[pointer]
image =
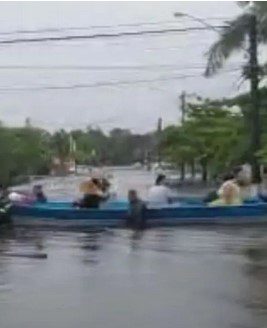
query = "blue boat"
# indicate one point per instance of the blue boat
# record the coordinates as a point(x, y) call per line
point(187, 211)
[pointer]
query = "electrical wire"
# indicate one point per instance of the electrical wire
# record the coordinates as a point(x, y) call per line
point(106, 35)
point(106, 83)
point(86, 28)
point(107, 67)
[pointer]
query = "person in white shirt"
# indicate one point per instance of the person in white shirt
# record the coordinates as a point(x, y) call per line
point(159, 193)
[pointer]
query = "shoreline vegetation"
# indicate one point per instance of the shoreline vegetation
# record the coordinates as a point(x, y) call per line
point(212, 139)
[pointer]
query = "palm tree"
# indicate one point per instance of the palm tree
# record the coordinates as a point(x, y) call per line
point(234, 35)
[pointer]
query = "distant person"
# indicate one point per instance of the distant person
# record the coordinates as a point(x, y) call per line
point(159, 193)
point(39, 194)
point(136, 214)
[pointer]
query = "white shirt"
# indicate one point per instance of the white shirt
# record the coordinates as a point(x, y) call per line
point(159, 194)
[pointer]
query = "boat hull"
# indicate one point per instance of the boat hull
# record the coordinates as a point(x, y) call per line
point(116, 215)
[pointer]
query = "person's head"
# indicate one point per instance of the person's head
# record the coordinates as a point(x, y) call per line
point(228, 176)
point(160, 179)
point(37, 189)
point(105, 184)
point(96, 174)
point(96, 182)
point(132, 196)
point(237, 170)
point(242, 176)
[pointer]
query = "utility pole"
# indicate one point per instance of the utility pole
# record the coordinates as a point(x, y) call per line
point(159, 130)
point(183, 106)
point(254, 93)
point(183, 112)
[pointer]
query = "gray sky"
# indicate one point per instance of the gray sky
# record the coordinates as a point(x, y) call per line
point(134, 106)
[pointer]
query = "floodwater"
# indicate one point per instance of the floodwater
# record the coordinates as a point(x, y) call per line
point(175, 277)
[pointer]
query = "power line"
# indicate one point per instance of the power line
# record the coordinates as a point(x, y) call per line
point(86, 28)
point(105, 67)
point(107, 84)
point(99, 84)
point(106, 35)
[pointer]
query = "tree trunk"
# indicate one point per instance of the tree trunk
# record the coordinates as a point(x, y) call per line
point(204, 171)
point(255, 108)
point(182, 171)
point(193, 170)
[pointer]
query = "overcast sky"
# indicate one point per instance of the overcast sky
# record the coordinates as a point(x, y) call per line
point(134, 106)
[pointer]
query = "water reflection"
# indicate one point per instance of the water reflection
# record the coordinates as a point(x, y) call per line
point(178, 273)
point(257, 272)
point(90, 242)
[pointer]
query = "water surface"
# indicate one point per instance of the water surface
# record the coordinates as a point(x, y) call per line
point(178, 277)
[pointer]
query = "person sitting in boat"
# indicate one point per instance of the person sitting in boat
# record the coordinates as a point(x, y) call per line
point(98, 175)
point(105, 184)
point(229, 194)
point(214, 194)
point(249, 191)
point(136, 217)
point(92, 194)
point(159, 193)
point(236, 177)
point(27, 197)
point(21, 197)
point(242, 178)
point(39, 194)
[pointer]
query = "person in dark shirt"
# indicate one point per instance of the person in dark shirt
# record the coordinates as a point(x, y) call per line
point(136, 214)
point(39, 194)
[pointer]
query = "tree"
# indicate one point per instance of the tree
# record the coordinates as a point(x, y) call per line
point(211, 136)
point(60, 145)
point(178, 146)
point(8, 145)
point(234, 36)
point(23, 151)
point(252, 26)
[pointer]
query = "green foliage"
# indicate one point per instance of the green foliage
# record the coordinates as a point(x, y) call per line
point(23, 151)
point(60, 145)
point(212, 136)
point(29, 150)
point(233, 36)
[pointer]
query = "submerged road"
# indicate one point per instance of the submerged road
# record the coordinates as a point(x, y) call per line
point(179, 277)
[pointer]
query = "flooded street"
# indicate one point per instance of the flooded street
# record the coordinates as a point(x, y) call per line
point(178, 277)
